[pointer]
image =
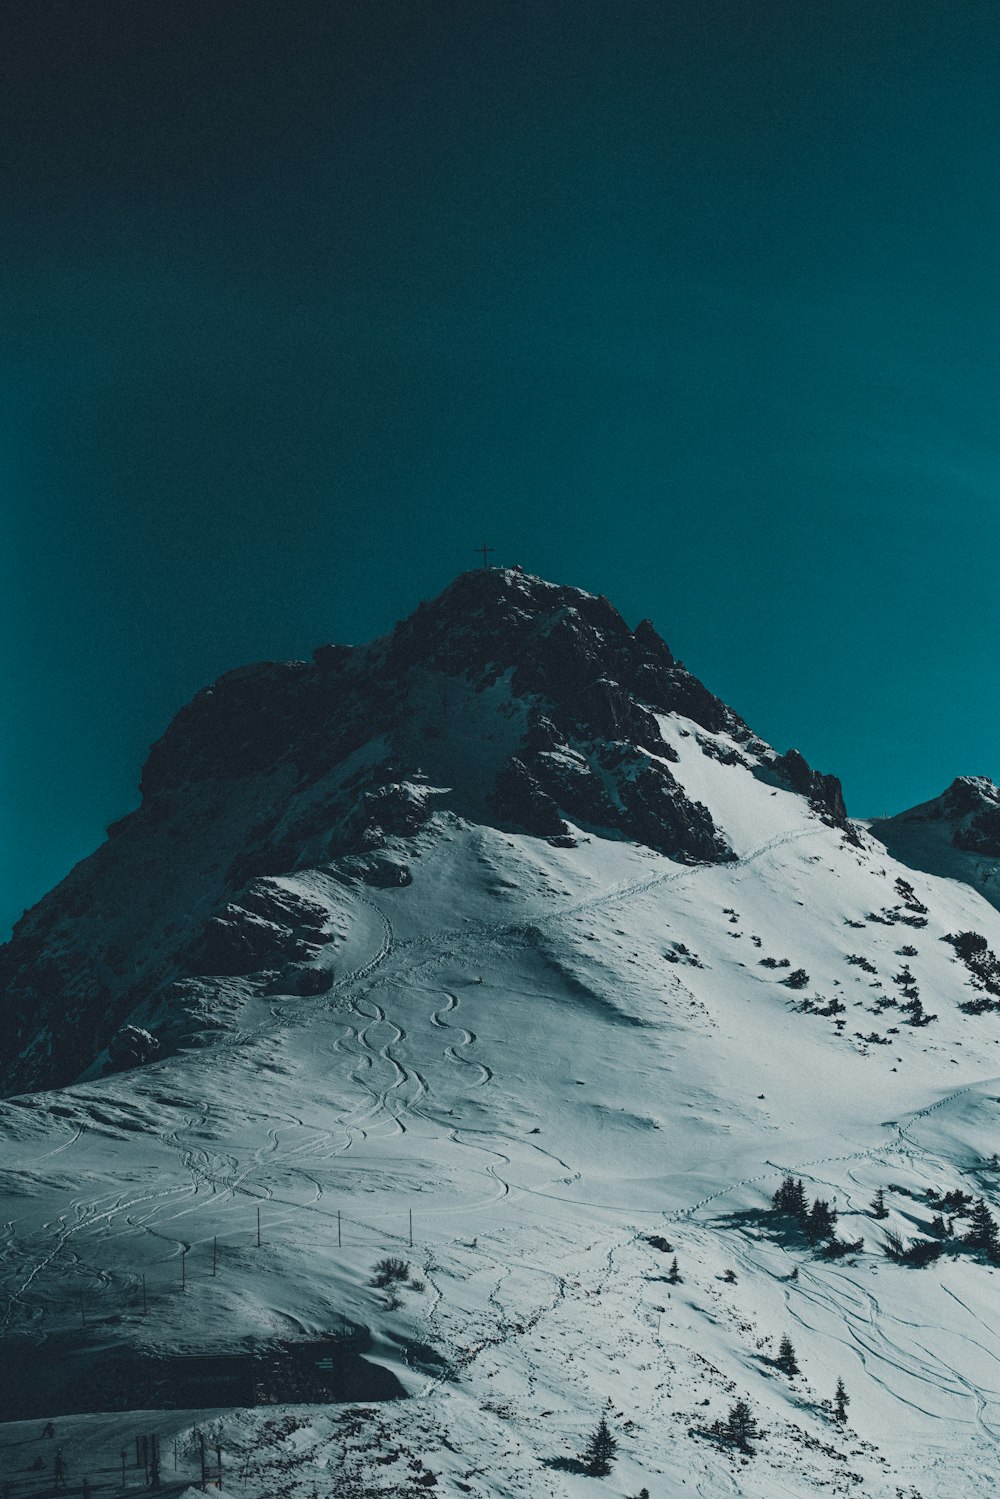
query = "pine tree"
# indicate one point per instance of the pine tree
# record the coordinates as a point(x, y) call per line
point(791, 1198)
point(674, 1277)
point(983, 1232)
point(879, 1209)
point(786, 1360)
point(600, 1451)
point(841, 1401)
point(740, 1426)
point(821, 1221)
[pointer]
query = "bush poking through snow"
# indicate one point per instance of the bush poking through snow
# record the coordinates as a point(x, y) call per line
point(835, 1249)
point(390, 1271)
point(919, 1253)
point(797, 979)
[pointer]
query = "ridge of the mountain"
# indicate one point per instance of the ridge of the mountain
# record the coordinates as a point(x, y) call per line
point(399, 1080)
point(956, 834)
point(506, 701)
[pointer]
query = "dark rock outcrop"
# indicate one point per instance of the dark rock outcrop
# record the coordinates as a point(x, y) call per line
point(981, 835)
point(659, 812)
point(131, 1047)
point(239, 942)
point(824, 792)
point(518, 799)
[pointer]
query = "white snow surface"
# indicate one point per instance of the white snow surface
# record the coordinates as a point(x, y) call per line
point(545, 1055)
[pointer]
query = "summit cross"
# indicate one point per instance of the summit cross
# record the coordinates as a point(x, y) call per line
point(485, 550)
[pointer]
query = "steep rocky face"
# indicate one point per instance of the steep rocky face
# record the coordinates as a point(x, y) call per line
point(823, 792)
point(506, 700)
point(569, 647)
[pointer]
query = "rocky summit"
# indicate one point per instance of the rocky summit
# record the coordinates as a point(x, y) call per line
point(507, 700)
point(483, 1066)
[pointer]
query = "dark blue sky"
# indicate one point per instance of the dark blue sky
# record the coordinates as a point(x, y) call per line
point(688, 302)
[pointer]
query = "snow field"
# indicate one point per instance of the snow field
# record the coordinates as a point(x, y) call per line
point(516, 988)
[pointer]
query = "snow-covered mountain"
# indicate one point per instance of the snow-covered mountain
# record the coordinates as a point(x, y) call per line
point(956, 835)
point(508, 702)
point(503, 935)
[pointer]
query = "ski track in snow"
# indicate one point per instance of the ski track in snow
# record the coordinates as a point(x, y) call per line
point(381, 1098)
point(468, 1039)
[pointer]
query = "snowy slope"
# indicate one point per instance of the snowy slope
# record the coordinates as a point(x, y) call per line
point(549, 1053)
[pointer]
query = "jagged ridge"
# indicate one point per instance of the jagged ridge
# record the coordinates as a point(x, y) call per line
point(506, 700)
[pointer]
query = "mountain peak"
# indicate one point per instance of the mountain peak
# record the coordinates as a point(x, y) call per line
point(507, 701)
point(956, 834)
point(503, 611)
point(965, 797)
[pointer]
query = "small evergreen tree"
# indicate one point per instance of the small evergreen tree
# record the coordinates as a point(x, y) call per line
point(786, 1360)
point(841, 1401)
point(600, 1451)
point(983, 1232)
point(821, 1221)
point(674, 1277)
point(791, 1198)
point(879, 1209)
point(740, 1426)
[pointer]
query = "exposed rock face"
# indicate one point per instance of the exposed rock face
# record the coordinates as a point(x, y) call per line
point(571, 648)
point(239, 942)
point(823, 791)
point(982, 833)
point(269, 926)
point(506, 699)
point(972, 803)
point(966, 794)
point(519, 799)
point(131, 1047)
point(663, 816)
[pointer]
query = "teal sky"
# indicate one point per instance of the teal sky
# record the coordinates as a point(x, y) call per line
point(690, 303)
